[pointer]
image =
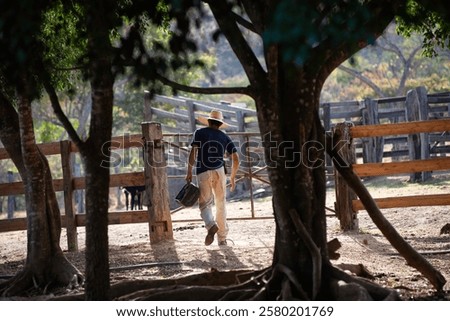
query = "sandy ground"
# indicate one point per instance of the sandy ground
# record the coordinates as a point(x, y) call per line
point(250, 242)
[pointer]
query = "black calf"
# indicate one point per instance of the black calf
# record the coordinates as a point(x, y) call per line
point(134, 191)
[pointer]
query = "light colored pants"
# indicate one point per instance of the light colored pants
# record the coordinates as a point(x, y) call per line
point(212, 184)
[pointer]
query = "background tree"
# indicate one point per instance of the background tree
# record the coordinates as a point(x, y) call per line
point(45, 263)
point(389, 67)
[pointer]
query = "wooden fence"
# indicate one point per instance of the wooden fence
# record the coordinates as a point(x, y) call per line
point(178, 118)
point(69, 183)
point(178, 115)
point(347, 205)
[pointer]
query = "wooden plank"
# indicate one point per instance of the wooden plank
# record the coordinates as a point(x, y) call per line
point(344, 194)
point(15, 188)
point(405, 167)
point(345, 115)
point(440, 98)
point(414, 140)
point(129, 217)
point(123, 179)
point(118, 142)
point(225, 108)
point(147, 106)
point(344, 104)
point(407, 201)
point(167, 114)
point(391, 114)
point(46, 149)
point(67, 164)
point(389, 100)
point(3, 154)
point(114, 218)
point(396, 140)
point(441, 138)
point(156, 184)
point(50, 148)
point(127, 179)
point(429, 126)
point(127, 141)
point(424, 137)
point(174, 101)
point(191, 116)
point(385, 169)
point(438, 109)
point(13, 224)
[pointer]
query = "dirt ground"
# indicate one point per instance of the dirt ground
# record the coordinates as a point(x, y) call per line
point(250, 242)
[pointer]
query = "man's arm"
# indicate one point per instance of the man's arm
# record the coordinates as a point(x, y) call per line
point(191, 162)
point(234, 169)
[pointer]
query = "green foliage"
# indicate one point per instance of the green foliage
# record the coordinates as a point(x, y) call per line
point(300, 26)
point(430, 18)
point(20, 23)
point(63, 37)
point(48, 132)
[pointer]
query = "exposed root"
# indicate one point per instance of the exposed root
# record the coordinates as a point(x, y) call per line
point(31, 281)
point(19, 284)
point(274, 283)
point(375, 291)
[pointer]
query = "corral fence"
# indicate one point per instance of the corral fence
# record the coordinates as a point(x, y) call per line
point(165, 149)
point(419, 168)
point(178, 115)
point(177, 118)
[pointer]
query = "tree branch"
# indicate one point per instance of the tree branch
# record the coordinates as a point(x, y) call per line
point(227, 23)
point(365, 80)
point(244, 22)
point(60, 113)
point(383, 13)
point(209, 91)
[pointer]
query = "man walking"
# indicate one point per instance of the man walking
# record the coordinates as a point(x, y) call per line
point(208, 147)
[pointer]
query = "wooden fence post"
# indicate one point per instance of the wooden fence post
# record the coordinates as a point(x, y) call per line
point(412, 114)
point(191, 114)
point(344, 194)
point(373, 146)
point(418, 144)
point(156, 185)
point(71, 226)
point(11, 198)
point(424, 137)
point(326, 118)
point(147, 106)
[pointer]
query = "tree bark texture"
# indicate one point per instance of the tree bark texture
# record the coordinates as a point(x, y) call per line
point(293, 142)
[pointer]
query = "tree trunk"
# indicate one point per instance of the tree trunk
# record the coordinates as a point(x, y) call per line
point(95, 153)
point(45, 264)
point(293, 141)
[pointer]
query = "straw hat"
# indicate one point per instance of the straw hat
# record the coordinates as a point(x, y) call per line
point(213, 115)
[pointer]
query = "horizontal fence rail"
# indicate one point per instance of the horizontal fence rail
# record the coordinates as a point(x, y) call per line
point(348, 205)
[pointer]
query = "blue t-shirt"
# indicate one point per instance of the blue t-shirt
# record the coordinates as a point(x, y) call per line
point(212, 144)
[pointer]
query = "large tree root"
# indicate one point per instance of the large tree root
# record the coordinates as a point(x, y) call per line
point(243, 285)
point(19, 284)
point(59, 272)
